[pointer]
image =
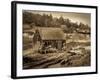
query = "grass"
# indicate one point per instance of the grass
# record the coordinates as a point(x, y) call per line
point(65, 59)
point(35, 60)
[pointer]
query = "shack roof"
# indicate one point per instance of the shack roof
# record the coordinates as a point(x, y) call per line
point(51, 33)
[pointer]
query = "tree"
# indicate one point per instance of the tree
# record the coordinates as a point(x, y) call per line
point(68, 23)
point(61, 20)
point(27, 18)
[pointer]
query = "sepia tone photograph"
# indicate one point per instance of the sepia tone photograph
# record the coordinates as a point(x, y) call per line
point(53, 40)
point(56, 39)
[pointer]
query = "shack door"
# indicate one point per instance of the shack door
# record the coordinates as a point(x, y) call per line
point(59, 45)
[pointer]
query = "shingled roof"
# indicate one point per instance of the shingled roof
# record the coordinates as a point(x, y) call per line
point(51, 34)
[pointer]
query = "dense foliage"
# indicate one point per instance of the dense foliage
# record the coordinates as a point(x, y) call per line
point(46, 20)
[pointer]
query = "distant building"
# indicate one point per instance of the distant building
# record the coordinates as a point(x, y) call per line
point(84, 30)
point(26, 26)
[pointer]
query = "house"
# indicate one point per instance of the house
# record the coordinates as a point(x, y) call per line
point(84, 30)
point(49, 37)
point(26, 26)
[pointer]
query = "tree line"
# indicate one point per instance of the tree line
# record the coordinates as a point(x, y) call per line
point(46, 20)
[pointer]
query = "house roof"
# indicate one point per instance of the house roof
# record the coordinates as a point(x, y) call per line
point(51, 33)
point(26, 26)
point(29, 31)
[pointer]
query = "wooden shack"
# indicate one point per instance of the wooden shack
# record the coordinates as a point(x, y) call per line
point(49, 37)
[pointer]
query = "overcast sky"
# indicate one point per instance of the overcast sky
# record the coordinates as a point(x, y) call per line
point(74, 17)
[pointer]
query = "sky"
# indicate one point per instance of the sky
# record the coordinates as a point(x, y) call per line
point(74, 17)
